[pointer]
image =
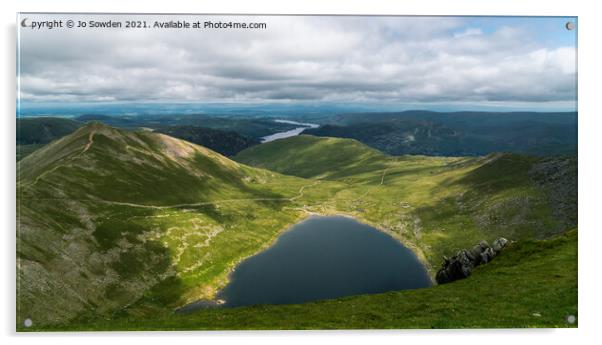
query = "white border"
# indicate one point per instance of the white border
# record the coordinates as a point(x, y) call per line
point(589, 163)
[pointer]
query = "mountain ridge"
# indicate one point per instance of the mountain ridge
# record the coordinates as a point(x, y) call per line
point(130, 210)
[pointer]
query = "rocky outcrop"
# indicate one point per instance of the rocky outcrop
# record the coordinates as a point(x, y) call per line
point(461, 265)
point(557, 176)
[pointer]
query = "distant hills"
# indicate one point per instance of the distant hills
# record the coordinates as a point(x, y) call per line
point(42, 130)
point(410, 132)
point(33, 133)
point(458, 133)
point(250, 127)
point(225, 142)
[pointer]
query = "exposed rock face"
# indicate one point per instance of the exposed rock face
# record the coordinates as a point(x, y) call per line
point(460, 266)
point(499, 244)
point(558, 178)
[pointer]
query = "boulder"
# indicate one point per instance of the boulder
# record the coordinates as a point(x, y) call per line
point(457, 267)
point(443, 277)
point(487, 255)
point(499, 244)
point(477, 252)
point(460, 266)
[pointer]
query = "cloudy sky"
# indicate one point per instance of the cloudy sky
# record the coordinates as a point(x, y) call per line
point(505, 62)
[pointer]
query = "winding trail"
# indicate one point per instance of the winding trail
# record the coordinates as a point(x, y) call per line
point(382, 181)
point(302, 189)
point(90, 142)
point(293, 198)
point(163, 207)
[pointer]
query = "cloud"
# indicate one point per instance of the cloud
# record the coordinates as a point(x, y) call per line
point(321, 59)
point(468, 32)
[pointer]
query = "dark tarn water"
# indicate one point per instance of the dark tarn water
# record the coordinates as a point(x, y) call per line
point(321, 258)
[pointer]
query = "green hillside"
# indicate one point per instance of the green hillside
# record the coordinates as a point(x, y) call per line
point(105, 215)
point(130, 224)
point(313, 157)
point(25, 150)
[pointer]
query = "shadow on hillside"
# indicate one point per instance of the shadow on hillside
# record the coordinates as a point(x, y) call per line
point(494, 172)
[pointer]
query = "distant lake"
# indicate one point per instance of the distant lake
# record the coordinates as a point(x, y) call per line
point(290, 133)
point(322, 258)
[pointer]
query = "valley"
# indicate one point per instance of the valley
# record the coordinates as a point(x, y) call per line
point(156, 222)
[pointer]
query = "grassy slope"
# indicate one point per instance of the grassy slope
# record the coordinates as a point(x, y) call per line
point(531, 284)
point(313, 157)
point(146, 259)
point(129, 211)
point(25, 150)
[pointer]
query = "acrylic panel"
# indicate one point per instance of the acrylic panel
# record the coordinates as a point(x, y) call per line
point(241, 172)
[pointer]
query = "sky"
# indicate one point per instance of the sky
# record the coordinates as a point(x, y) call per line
point(415, 62)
